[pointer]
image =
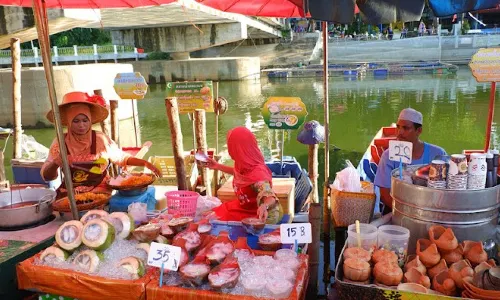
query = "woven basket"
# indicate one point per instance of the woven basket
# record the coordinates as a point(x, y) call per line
point(62, 205)
point(347, 207)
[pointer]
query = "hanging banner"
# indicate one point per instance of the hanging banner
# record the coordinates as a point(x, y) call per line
point(284, 112)
point(192, 95)
point(130, 86)
point(485, 65)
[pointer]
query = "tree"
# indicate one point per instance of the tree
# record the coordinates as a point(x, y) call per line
point(77, 36)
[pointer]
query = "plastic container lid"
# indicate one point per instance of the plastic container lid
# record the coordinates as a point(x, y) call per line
point(393, 232)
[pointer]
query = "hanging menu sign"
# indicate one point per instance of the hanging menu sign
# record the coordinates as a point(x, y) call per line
point(130, 85)
point(284, 112)
point(192, 95)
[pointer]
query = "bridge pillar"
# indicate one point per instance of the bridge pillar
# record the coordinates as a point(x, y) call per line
point(181, 38)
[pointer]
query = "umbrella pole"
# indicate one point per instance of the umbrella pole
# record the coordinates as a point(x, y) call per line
point(490, 116)
point(40, 13)
point(326, 190)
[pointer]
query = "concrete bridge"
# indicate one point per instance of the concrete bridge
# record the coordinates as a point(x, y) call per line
point(177, 28)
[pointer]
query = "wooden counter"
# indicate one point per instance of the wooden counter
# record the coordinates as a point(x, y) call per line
point(283, 187)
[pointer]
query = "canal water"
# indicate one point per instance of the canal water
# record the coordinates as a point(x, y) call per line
point(454, 107)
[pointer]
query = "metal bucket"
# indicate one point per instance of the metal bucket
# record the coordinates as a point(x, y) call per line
point(472, 214)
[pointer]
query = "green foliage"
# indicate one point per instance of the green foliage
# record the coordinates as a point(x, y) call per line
point(158, 56)
point(465, 26)
point(76, 36)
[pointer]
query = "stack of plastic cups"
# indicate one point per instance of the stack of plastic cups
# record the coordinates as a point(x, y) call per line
point(457, 172)
point(437, 175)
point(477, 170)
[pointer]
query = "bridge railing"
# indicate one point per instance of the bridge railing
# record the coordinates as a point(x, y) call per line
point(75, 54)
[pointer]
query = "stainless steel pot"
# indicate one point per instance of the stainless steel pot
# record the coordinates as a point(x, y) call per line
point(25, 207)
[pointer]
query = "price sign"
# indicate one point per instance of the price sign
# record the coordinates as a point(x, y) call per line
point(485, 65)
point(400, 151)
point(164, 254)
point(300, 232)
point(284, 112)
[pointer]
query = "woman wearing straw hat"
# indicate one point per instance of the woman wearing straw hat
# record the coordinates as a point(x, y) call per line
point(89, 152)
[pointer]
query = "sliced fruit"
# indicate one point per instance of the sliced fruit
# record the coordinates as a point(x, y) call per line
point(88, 260)
point(123, 223)
point(133, 265)
point(147, 233)
point(161, 239)
point(195, 273)
point(143, 247)
point(69, 235)
point(179, 224)
point(98, 234)
point(93, 214)
point(52, 253)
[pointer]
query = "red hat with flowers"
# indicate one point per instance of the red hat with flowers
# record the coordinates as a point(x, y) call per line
point(98, 109)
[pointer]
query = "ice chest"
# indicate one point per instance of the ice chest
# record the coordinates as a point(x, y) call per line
point(28, 172)
point(166, 165)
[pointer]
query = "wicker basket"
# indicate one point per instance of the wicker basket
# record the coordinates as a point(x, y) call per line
point(347, 207)
point(62, 205)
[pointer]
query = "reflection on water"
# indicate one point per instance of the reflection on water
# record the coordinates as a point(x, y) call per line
point(454, 108)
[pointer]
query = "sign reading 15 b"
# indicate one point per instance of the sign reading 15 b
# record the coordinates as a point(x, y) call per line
point(400, 151)
point(300, 232)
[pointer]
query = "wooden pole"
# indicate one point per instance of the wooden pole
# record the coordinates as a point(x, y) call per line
point(176, 133)
point(115, 123)
point(313, 171)
point(136, 124)
point(15, 45)
point(216, 108)
point(200, 130)
point(105, 125)
point(313, 252)
point(491, 112)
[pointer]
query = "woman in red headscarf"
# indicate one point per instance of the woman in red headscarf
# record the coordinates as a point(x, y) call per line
point(252, 181)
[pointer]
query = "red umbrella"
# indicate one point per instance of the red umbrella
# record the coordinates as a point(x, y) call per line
point(96, 4)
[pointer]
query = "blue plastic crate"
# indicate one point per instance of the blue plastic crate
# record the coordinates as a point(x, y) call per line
point(26, 172)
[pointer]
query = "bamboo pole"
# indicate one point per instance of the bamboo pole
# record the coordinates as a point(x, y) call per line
point(313, 171)
point(178, 150)
point(42, 27)
point(491, 112)
point(137, 130)
point(216, 108)
point(326, 189)
point(200, 130)
point(115, 123)
point(15, 45)
point(105, 125)
point(313, 252)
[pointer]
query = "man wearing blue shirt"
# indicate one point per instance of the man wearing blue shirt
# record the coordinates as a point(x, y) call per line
point(409, 129)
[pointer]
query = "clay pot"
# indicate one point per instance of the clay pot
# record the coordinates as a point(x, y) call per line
point(428, 252)
point(412, 287)
point(474, 252)
point(356, 269)
point(414, 276)
point(459, 270)
point(485, 265)
point(444, 284)
point(414, 262)
point(440, 267)
point(357, 252)
point(455, 255)
point(444, 238)
point(381, 255)
point(388, 273)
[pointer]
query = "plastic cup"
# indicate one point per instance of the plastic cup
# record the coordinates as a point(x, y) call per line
point(394, 238)
point(368, 236)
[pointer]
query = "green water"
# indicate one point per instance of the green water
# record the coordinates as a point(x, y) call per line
point(454, 108)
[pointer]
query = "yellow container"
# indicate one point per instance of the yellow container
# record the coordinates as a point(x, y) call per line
point(166, 165)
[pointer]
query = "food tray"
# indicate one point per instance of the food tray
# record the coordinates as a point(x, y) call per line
point(155, 292)
point(358, 291)
point(133, 187)
point(62, 205)
point(45, 279)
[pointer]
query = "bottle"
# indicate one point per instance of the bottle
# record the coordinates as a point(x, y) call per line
point(495, 166)
point(489, 167)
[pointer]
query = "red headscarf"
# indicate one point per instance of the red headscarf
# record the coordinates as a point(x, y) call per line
point(249, 165)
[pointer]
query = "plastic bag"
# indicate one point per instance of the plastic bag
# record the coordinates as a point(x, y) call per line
point(32, 150)
point(205, 204)
point(348, 179)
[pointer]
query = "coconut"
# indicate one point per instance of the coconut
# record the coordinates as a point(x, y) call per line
point(98, 234)
point(52, 253)
point(195, 273)
point(143, 247)
point(133, 265)
point(147, 233)
point(69, 235)
point(88, 260)
point(161, 239)
point(123, 223)
point(179, 224)
point(93, 214)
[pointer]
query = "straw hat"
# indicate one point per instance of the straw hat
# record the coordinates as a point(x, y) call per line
point(97, 104)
